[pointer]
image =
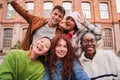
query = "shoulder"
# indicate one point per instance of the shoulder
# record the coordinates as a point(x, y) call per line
point(107, 54)
point(16, 53)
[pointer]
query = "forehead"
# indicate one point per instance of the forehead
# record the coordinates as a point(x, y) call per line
point(61, 41)
point(58, 12)
point(45, 40)
point(88, 36)
point(69, 18)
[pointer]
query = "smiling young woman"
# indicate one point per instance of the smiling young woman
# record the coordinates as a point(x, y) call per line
point(98, 64)
point(26, 65)
point(62, 63)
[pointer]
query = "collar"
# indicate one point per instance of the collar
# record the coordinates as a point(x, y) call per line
point(58, 64)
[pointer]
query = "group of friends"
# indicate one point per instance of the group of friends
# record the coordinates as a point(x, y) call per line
point(52, 52)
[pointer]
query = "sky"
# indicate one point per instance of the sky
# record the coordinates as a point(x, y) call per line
point(118, 5)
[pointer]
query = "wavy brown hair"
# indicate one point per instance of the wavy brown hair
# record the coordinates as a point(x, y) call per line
point(67, 61)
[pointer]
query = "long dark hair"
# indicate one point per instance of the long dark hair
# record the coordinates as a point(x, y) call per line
point(67, 61)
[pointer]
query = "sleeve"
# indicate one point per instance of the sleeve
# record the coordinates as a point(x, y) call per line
point(94, 28)
point(46, 76)
point(24, 13)
point(116, 62)
point(7, 67)
point(78, 72)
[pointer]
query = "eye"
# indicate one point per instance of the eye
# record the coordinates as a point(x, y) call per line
point(58, 45)
point(85, 41)
point(60, 16)
point(55, 13)
point(41, 41)
point(65, 46)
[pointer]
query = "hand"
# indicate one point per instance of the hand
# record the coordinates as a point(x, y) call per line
point(81, 18)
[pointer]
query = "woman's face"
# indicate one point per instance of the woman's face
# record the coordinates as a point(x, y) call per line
point(61, 48)
point(88, 43)
point(70, 23)
point(41, 46)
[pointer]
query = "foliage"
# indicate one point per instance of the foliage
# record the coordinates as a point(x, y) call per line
point(17, 45)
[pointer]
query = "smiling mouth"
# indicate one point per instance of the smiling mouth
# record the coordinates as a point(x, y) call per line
point(39, 48)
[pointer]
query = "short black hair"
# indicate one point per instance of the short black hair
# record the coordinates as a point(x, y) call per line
point(87, 31)
point(60, 8)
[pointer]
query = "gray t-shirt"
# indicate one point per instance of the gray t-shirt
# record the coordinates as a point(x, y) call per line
point(44, 31)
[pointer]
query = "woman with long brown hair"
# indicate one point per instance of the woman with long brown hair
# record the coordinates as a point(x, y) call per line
point(62, 63)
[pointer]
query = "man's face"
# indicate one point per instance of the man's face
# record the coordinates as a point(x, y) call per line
point(56, 17)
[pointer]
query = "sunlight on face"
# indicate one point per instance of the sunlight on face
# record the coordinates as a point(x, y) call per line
point(41, 46)
point(61, 48)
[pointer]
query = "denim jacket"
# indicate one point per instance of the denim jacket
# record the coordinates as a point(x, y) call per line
point(78, 73)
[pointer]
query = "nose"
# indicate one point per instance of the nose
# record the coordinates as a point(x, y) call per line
point(42, 45)
point(62, 48)
point(56, 16)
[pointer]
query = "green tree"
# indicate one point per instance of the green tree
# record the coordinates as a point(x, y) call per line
point(17, 45)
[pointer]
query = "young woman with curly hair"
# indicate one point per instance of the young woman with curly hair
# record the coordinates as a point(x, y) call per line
point(62, 63)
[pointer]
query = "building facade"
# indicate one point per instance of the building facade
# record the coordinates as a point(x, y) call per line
point(99, 12)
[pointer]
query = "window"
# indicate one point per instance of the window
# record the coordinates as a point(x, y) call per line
point(104, 11)
point(107, 39)
point(47, 9)
point(7, 38)
point(29, 6)
point(10, 12)
point(86, 9)
point(68, 7)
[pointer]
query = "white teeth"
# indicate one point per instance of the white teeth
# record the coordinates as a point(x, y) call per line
point(39, 48)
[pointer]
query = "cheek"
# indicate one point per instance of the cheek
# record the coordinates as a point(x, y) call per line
point(56, 49)
point(66, 50)
point(59, 19)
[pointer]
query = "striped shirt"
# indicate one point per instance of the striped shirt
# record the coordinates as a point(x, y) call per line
point(44, 31)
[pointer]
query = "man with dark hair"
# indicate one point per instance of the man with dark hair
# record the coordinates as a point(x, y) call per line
point(38, 26)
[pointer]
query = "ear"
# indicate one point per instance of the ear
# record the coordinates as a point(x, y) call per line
point(31, 46)
point(51, 12)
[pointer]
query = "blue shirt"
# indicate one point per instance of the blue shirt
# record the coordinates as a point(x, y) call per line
point(78, 73)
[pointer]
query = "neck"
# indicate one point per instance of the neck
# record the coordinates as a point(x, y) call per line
point(51, 25)
point(89, 56)
point(71, 32)
point(58, 60)
point(32, 56)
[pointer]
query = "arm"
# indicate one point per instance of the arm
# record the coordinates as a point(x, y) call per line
point(78, 72)
point(46, 76)
point(7, 67)
point(94, 28)
point(24, 13)
point(116, 62)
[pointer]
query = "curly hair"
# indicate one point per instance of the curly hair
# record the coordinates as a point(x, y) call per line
point(68, 60)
